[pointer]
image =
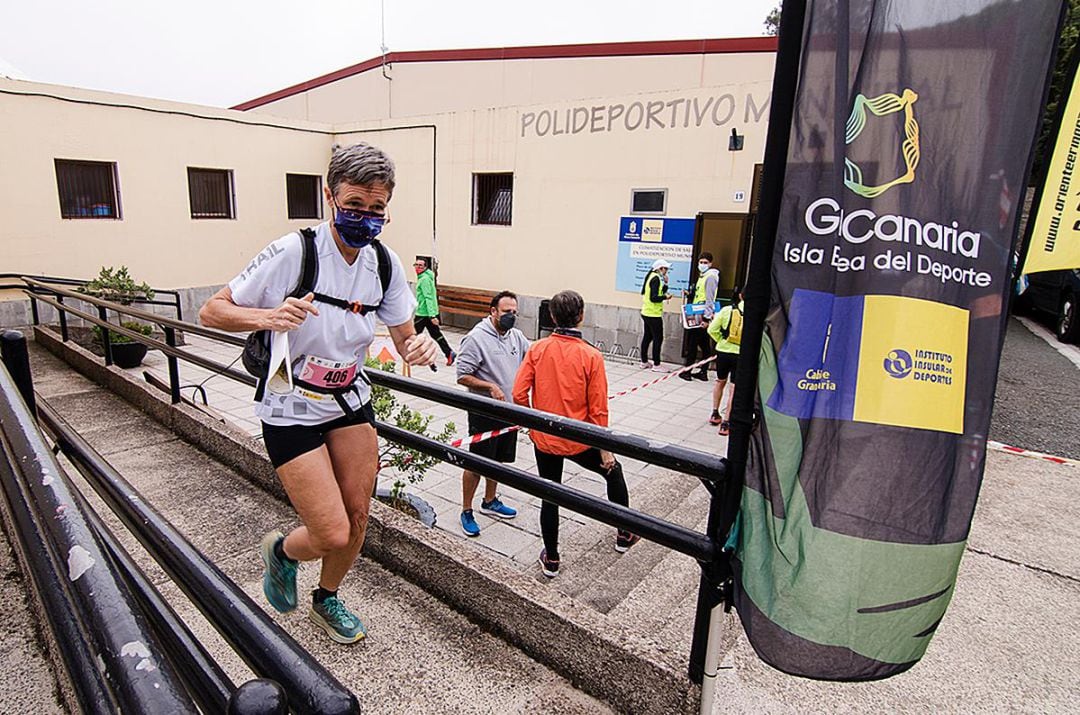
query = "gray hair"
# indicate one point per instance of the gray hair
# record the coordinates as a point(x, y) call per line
point(360, 164)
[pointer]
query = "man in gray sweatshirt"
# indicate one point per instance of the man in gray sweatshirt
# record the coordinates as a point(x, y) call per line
point(487, 363)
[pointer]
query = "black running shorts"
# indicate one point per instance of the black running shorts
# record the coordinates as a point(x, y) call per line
point(502, 448)
point(725, 365)
point(286, 443)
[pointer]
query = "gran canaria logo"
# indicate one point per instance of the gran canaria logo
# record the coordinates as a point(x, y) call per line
point(881, 106)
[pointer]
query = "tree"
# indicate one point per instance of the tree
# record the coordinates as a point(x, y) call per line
point(1059, 86)
point(772, 21)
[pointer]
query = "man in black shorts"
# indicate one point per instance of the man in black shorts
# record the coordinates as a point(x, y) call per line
point(487, 363)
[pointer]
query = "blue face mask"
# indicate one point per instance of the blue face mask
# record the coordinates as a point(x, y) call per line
point(357, 228)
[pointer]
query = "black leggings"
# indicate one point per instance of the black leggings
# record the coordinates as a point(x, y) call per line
point(698, 338)
point(654, 333)
point(550, 466)
point(422, 323)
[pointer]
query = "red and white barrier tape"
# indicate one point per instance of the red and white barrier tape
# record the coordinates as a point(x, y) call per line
point(661, 379)
point(474, 438)
point(1020, 452)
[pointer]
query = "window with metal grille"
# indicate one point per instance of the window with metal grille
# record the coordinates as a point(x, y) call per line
point(492, 198)
point(303, 195)
point(87, 189)
point(211, 193)
point(648, 201)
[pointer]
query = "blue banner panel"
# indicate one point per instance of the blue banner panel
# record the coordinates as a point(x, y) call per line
point(642, 240)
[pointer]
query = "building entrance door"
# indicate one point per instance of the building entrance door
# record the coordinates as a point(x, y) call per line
point(727, 237)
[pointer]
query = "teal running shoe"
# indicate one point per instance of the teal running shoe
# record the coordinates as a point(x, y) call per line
point(339, 622)
point(279, 576)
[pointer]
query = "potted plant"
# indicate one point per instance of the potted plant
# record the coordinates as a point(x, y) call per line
point(117, 285)
point(410, 465)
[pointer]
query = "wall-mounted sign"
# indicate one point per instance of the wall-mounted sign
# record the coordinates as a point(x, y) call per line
point(739, 196)
point(643, 240)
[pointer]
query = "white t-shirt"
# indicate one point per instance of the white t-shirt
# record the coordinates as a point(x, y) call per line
point(334, 335)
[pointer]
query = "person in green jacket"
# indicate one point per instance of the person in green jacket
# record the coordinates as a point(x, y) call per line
point(427, 308)
point(726, 329)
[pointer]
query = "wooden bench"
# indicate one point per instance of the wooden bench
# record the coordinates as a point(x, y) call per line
point(470, 303)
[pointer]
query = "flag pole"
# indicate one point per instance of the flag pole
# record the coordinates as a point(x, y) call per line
point(725, 503)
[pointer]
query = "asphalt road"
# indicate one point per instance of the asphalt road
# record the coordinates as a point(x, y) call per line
point(1037, 405)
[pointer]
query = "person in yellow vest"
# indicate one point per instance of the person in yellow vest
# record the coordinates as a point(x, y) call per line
point(654, 291)
point(726, 329)
point(704, 292)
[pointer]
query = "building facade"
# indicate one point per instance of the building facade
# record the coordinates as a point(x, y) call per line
point(529, 169)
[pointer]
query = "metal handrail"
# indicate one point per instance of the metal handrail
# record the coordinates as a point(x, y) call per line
point(122, 309)
point(710, 469)
point(140, 678)
point(174, 303)
point(261, 643)
point(665, 533)
point(681, 459)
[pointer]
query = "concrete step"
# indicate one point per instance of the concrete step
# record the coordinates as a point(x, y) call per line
point(420, 656)
point(662, 603)
point(591, 563)
point(649, 563)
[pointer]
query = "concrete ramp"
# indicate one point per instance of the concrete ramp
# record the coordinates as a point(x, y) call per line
point(420, 656)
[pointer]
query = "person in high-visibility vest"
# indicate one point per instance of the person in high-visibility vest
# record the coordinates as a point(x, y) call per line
point(654, 291)
point(704, 292)
point(726, 330)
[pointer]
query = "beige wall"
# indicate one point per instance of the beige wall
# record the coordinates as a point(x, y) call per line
point(156, 238)
point(569, 189)
point(426, 88)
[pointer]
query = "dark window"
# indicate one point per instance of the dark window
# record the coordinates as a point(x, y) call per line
point(648, 201)
point(87, 189)
point(211, 193)
point(303, 195)
point(492, 198)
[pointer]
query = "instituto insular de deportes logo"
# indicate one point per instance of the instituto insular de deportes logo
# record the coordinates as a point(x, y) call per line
point(898, 363)
point(925, 366)
point(880, 106)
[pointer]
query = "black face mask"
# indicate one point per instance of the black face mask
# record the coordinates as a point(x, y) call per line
point(506, 321)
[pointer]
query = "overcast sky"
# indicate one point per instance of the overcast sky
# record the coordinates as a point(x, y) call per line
point(222, 52)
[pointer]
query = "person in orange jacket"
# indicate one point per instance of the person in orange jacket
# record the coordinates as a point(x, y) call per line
point(565, 376)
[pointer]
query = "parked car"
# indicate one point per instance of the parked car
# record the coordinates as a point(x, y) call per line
point(1056, 293)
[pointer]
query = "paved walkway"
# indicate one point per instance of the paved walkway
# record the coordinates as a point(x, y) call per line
point(672, 410)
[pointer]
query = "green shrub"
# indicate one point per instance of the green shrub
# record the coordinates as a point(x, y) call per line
point(117, 285)
point(410, 464)
point(116, 338)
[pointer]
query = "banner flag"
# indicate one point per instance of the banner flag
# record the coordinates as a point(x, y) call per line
point(879, 360)
point(1055, 237)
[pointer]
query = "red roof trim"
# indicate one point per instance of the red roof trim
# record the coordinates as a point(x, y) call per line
point(605, 49)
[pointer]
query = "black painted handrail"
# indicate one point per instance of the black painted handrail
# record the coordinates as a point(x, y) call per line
point(139, 677)
point(263, 645)
point(122, 309)
point(681, 459)
point(673, 536)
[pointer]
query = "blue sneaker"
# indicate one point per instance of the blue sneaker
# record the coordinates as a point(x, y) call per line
point(497, 509)
point(339, 622)
point(468, 524)
point(279, 576)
